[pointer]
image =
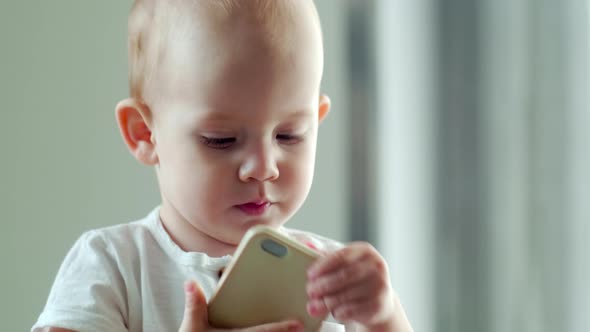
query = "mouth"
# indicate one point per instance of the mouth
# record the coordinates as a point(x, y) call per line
point(254, 208)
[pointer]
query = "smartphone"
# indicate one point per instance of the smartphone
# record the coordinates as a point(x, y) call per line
point(264, 283)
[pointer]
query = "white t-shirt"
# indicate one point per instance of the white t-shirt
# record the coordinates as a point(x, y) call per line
point(130, 277)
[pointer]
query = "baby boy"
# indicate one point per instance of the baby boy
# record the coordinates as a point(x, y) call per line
point(225, 105)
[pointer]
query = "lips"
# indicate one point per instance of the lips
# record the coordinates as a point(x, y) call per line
point(254, 208)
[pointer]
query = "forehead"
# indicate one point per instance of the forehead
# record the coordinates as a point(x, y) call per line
point(238, 66)
point(229, 84)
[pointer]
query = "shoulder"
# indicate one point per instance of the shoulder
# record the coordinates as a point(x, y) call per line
point(92, 287)
point(107, 253)
point(118, 239)
point(313, 240)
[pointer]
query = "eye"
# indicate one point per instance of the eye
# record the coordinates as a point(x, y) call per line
point(218, 142)
point(289, 139)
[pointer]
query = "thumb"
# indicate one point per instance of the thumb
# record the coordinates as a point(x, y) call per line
point(195, 308)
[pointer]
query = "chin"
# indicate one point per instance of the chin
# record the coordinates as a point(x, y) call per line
point(256, 222)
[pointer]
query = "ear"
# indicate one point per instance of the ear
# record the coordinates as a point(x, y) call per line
point(324, 107)
point(134, 119)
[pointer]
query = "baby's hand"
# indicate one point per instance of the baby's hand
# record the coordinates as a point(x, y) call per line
point(195, 315)
point(353, 284)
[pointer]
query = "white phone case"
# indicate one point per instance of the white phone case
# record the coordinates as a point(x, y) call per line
point(264, 283)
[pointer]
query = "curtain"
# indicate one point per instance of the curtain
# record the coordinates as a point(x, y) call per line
point(483, 161)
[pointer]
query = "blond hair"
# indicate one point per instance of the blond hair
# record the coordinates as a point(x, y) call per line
point(153, 22)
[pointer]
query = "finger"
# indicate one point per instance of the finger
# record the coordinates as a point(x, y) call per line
point(317, 308)
point(344, 256)
point(285, 326)
point(195, 308)
point(358, 293)
point(343, 278)
point(362, 312)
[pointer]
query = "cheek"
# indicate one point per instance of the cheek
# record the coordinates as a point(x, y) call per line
point(198, 190)
point(297, 171)
point(198, 178)
point(295, 181)
point(185, 172)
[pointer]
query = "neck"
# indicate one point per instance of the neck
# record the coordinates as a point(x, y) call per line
point(188, 237)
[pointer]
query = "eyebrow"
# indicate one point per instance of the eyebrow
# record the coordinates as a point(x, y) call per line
point(215, 116)
point(224, 116)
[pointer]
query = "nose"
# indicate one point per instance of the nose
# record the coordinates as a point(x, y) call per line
point(260, 164)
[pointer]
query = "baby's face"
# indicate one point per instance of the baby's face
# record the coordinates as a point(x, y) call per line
point(235, 126)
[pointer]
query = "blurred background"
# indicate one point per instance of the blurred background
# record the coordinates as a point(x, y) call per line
point(458, 145)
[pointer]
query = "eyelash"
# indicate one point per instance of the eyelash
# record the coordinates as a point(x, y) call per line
point(289, 139)
point(218, 143)
point(226, 142)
